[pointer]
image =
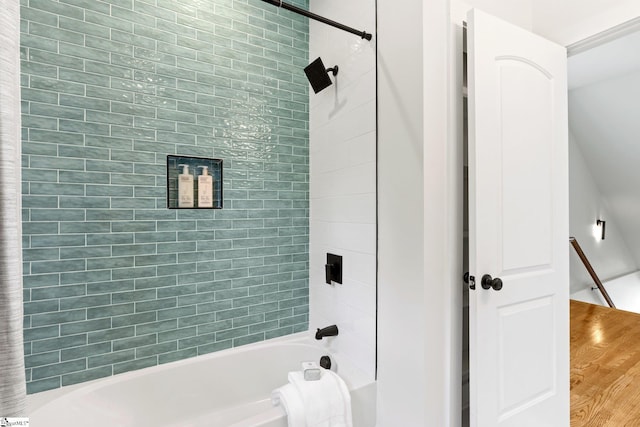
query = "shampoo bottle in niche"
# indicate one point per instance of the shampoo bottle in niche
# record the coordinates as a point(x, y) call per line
point(185, 188)
point(205, 188)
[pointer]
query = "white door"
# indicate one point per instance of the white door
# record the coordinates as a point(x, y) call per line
point(518, 227)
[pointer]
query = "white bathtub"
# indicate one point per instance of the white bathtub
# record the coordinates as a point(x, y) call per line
point(624, 292)
point(230, 388)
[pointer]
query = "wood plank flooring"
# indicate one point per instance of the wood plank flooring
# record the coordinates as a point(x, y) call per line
point(605, 367)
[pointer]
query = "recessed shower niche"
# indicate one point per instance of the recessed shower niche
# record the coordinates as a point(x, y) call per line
point(194, 183)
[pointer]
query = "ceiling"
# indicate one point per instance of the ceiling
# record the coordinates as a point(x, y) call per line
point(604, 117)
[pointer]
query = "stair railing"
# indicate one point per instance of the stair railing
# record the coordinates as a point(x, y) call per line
point(591, 271)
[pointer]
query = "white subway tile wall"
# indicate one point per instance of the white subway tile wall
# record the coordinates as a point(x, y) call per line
point(343, 182)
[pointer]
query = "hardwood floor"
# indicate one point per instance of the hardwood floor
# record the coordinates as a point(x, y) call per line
point(605, 366)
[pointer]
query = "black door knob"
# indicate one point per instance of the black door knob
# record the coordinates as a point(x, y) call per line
point(489, 282)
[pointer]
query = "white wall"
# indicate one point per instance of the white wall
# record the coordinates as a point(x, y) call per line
point(402, 378)
point(610, 257)
point(569, 21)
point(343, 182)
point(518, 12)
point(604, 119)
point(418, 230)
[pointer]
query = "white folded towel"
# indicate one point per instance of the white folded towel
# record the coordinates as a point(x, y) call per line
point(322, 403)
point(288, 397)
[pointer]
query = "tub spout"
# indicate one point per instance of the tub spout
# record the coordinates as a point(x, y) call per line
point(329, 331)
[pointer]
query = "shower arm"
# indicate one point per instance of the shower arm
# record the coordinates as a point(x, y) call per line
point(299, 11)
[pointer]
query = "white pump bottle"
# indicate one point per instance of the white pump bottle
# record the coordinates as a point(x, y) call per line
point(205, 188)
point(185, 188)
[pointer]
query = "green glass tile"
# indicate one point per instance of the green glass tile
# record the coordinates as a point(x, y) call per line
point(110, 310)
point(255, 252)
point(135, 272)
point(250, 282)
point(40, 267)
point(294, 320)
point(280, 332)
point(85, 326)
point(248, 320)
point(155, 304)
point(248, 301)
point(84, 301)
point(43, 385)
point(84, 227)
point(40, 254)
point(109, 21)
point(239, 263)
point(111, 334)
point(262, 271)
point(35, 15)
point(110, 286)
point(156, 349)
point(138, 341)
point(181, 8)
point(155, 259)
point(232, 333)
point(57, 318)
point(232, 273)
point(217, 346)
point(132, 203)
point(128, 38)
point(55, 59)
point(132, 16)
point(84, 277)
point(132, 179)
point(86, 375)
point(279, 314)
point(133, 319)
point(263, 327)
point(42, 346)
point(79, 26)
point(142, 249)
point(51, 292)
point(158, 12)
point(42, 359)
point(301, 310)
point(177, 355)
point(82, 77)
point(53, 33)
point(39, 333)
point(109, 263)
point(136, 364)
point(176, 291)
point(264, 308)
point(176, 313)
point(248, 339)
point(155, 282)
point(177, 334)
point(84, 127)
point(111, 358)
point(124, 297)
point(197, 341)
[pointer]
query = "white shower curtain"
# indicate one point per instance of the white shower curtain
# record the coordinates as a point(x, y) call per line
point(12, 379)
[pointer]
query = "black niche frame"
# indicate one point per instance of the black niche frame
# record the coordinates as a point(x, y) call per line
point(173, 170)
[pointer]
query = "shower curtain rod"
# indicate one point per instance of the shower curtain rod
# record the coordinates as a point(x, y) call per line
point(299, 11)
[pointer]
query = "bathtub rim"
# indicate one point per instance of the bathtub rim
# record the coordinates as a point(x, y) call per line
point(354, 377)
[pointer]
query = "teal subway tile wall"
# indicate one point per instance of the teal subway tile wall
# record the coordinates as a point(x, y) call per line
point(113, 280)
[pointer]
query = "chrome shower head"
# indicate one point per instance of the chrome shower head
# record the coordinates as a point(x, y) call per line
point(318, 75)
